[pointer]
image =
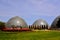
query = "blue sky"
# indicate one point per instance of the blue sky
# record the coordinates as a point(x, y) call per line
point(30, 10)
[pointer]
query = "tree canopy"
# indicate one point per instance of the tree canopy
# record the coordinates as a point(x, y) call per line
point(2, 24)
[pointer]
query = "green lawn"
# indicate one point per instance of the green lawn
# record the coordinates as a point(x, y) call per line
point(41, 35)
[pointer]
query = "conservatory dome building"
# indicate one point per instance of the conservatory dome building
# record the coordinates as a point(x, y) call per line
point(40, 24)
point(16, 23)
point(56, 23)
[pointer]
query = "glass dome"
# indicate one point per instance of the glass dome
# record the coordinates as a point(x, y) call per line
point(56, 23)
point(40, 22)
point(17, 22)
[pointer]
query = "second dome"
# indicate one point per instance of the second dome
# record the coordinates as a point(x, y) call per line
point(40, 23)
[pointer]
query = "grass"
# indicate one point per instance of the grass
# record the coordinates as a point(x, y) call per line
point(38, 35)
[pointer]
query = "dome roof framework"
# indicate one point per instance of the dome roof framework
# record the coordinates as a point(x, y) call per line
point(17, 22)
point(56, 23)
point(40, 24)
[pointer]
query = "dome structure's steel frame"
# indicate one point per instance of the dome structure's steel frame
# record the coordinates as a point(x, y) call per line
point(39, 24)
point(54, 23)
point(16, 24)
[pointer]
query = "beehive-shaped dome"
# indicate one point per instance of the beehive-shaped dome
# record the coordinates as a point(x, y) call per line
point(56, 23)
point(16, 21)
point(40, 24)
